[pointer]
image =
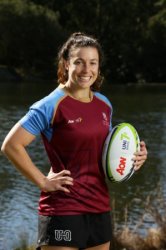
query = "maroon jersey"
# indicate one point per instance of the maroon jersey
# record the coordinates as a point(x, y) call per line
point(73, 133)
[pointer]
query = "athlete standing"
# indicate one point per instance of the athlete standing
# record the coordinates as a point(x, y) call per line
point(73, 121)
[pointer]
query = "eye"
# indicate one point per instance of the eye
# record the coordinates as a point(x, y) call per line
point(78, 62)
point(94, 63)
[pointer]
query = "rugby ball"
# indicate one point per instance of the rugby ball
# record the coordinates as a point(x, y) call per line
point(119, 148)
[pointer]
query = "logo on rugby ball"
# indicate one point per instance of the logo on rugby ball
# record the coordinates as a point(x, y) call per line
point(121, 166)
point(118, 151)
point(125, 141)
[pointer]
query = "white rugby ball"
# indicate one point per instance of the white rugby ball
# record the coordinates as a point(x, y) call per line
point(119, 148)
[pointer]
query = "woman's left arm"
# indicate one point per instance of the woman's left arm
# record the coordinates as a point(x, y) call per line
point(140, 156)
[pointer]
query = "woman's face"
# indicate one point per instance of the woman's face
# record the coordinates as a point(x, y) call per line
point(83, 67)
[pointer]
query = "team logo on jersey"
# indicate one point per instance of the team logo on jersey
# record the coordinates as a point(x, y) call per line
point(78, 120)
point(105, 119)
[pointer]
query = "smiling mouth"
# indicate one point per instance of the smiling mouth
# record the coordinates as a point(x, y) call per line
point(85, 78)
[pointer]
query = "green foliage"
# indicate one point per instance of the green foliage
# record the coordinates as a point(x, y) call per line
point(125, 30)
point(155, 46)
point(132, 34)
point(30, 35)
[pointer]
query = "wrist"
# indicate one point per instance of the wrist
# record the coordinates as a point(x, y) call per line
point(43, 183)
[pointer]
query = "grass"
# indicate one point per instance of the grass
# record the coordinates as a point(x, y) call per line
point(128, 238)
point(24, 243)
point(25, 247)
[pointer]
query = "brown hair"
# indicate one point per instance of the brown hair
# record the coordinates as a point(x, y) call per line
point(77, 40)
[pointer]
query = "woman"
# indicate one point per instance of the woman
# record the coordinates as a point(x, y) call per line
point(74, 120)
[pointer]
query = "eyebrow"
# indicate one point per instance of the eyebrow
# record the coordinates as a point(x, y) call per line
point(93, 59)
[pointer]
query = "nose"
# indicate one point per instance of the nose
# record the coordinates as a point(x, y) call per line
point(86, 67)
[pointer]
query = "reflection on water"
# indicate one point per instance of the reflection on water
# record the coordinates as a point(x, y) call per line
point(144, 107)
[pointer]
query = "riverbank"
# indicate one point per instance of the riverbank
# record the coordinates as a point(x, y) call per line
point(10, 74)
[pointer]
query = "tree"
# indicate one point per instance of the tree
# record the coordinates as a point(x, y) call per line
point(132, 34)
point(30, 35)
point(155, 48)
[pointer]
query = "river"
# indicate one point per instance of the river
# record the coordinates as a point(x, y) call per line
point(144, 106)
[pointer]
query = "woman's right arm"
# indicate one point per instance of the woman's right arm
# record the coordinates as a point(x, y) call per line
point(14, 147)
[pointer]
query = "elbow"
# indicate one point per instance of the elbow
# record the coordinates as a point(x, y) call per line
point(4, 148)
point(12, 142)
point(7, 147)
point(10, 147)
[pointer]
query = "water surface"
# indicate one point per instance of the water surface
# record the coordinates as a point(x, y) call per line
point(143, 106)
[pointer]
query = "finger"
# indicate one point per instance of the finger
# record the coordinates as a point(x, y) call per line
point(64, 172)
point(68, 178)
point(137, 167)
point(67, 182)
point(141, 152)
point(140, 158)
point(52, 187)
point(142, 144)
point(52, 175)
point(140, 155)
point(64, 189)
point(143, 147)
point(138, 163)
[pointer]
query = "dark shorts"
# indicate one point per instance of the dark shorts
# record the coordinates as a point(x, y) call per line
point(80, 231)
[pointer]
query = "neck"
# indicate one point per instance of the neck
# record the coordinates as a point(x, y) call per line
point(84, 95)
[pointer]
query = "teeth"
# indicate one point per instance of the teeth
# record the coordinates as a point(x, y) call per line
point(85, 78)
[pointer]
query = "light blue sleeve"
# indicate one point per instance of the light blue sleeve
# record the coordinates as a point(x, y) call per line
point(39, 117)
